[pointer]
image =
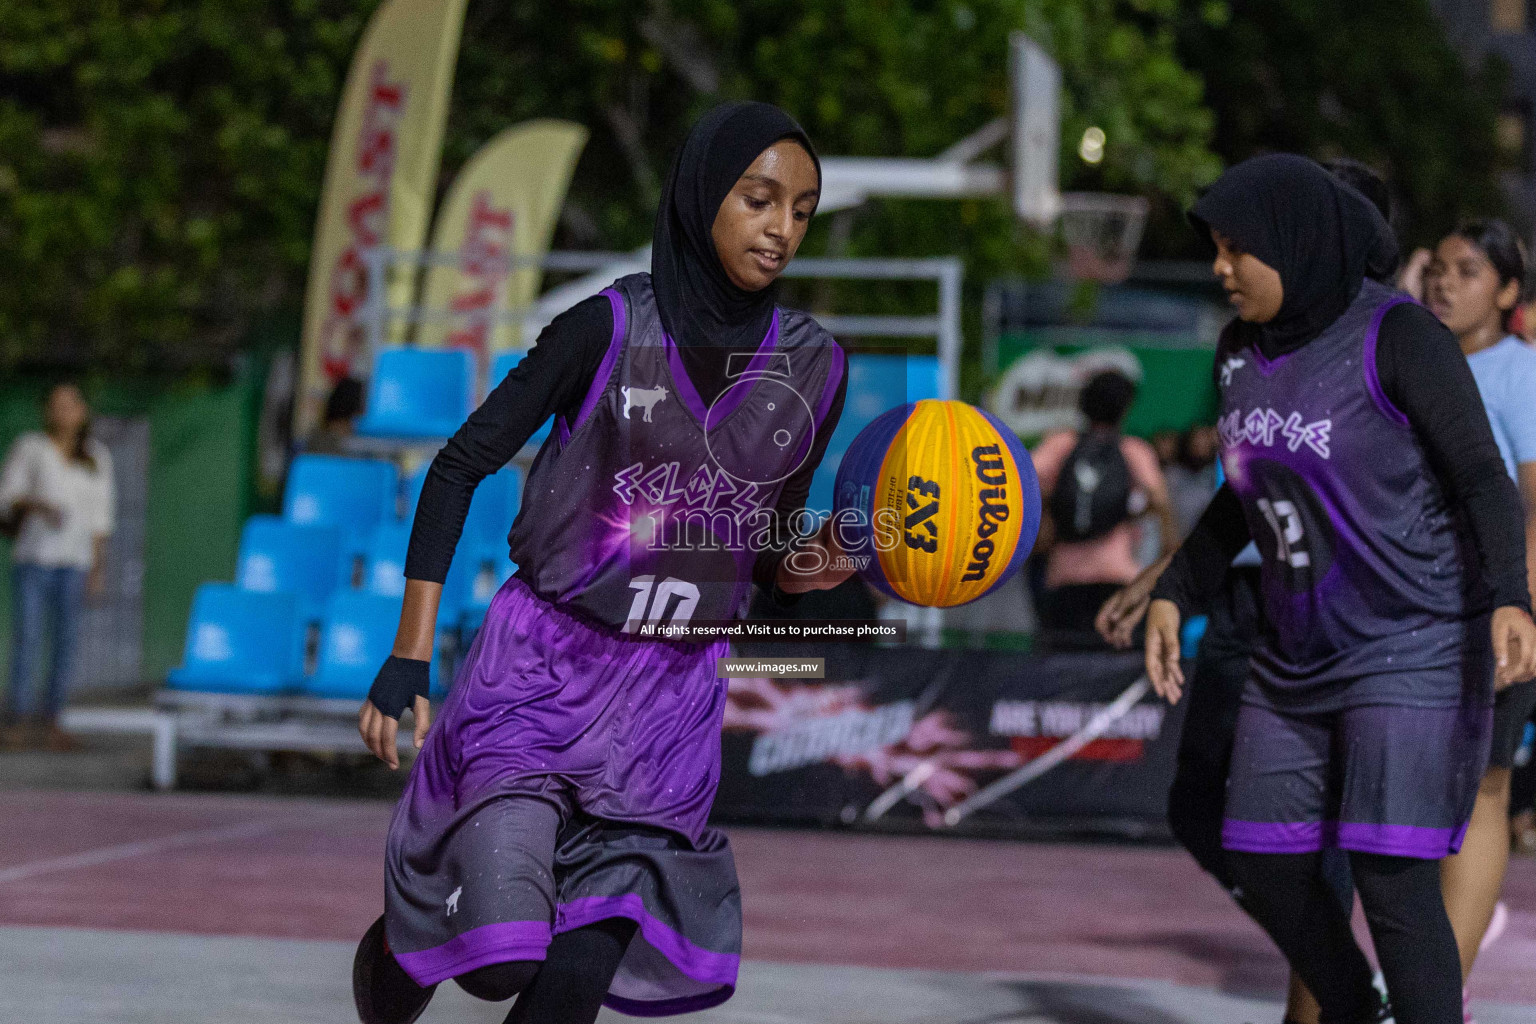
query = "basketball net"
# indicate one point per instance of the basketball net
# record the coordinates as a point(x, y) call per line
point(1102, 232)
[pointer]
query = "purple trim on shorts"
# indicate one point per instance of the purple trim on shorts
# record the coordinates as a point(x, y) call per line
point(1368, 364)
point(702, 965)
point(1273, 836)
point(605, 368)
point(669, 1007)
point(1400, 840)
point(1460, 836)
point(733, 397)
point(1311, 836)
point(489, 944)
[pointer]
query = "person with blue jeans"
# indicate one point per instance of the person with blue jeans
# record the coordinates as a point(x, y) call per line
point(56, 493)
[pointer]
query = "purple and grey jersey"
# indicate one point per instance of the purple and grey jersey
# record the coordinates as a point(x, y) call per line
point(652, 507)
point(1365, 568)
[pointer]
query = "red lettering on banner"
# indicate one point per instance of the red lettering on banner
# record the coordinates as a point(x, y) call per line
point(473, 301)
point(1118, 751)
point(367, 221)
point(485, 260)
point(365, 218)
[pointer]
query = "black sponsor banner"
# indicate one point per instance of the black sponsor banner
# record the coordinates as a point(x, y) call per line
point(945, 740)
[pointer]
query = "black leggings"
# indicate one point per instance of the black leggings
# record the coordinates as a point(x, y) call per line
point(568, 986)
point(1198, 797)
point(1288, 896)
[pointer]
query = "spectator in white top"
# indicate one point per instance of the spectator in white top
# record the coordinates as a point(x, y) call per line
point(56, 496)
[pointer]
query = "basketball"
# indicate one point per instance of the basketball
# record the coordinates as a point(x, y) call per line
point(940, 500)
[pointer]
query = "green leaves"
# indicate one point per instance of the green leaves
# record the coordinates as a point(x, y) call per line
point(161, 164)
point(1371, 79)
point(160, 161)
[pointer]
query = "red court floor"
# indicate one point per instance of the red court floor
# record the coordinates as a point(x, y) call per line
point(312, 869)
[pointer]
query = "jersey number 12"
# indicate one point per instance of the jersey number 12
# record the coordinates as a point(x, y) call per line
point(1286, 524)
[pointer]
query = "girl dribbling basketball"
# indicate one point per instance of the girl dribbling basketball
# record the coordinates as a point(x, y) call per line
point(552, 843)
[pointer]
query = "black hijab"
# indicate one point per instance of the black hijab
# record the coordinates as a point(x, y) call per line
point(1322, 236)
point(699, 305)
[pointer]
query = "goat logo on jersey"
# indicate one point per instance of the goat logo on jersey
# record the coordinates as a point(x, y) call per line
point(643, 398)
point(1228, 367)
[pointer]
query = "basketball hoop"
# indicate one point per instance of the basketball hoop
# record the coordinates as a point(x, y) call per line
point(1102, 232)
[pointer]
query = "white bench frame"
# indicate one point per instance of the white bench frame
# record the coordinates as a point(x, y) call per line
point(228, 721)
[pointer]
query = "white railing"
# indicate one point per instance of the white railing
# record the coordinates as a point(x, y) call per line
point(380, 320)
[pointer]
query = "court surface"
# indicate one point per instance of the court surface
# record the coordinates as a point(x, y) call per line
point(129, 907)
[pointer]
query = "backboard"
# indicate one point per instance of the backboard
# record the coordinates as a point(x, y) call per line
point(1034, 82)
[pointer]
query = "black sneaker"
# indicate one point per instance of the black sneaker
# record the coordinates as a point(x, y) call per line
point(1381, 1013)
point(382, 991)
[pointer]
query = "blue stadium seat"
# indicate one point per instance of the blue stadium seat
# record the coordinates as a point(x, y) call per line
point(488, 578)
point(358, 634)
point(384, 561)
point(490, 515)
point(500, 367)
point(419, 392)
point(495, 505)
point(384, 572)
point(330, 490)
point(410, 490)
point(483, 546)
point(241, 641)
point(277, 556)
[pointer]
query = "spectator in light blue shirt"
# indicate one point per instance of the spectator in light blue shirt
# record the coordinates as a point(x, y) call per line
point(1473, 284)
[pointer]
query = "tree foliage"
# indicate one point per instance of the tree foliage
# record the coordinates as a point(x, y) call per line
point(865, 77)
point(1376, 80)
point(160, 160)
point(159, 163)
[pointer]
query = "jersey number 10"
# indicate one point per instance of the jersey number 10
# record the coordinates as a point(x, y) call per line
point(653, 600)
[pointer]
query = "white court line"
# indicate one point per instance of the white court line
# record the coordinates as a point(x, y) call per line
point(123, 851)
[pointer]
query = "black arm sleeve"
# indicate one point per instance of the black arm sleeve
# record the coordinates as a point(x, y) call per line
point(792, 499)
point(1200, 565)
point(1424, 374)
point(551, 380)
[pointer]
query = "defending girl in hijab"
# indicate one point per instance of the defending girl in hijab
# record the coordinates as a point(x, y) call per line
point(551, 843)
point(1359, 459)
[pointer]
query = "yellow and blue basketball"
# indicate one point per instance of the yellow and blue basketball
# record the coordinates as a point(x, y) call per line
point(942, 500)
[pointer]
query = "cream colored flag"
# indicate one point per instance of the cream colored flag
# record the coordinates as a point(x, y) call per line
point(501, 209)
point(380, 179)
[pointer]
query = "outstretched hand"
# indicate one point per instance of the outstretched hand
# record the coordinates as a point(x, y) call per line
point(1514, 646)
point(1163, 668)
point(1120, 615)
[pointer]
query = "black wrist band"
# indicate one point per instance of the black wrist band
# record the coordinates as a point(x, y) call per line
point(399, 682)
